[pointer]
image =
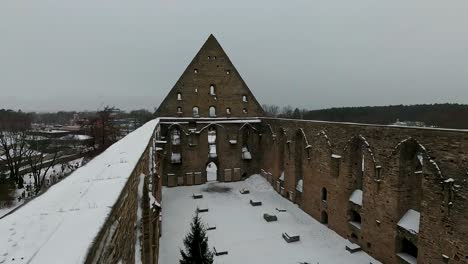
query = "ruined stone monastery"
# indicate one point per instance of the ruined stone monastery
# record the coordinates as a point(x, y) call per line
point(399, 193)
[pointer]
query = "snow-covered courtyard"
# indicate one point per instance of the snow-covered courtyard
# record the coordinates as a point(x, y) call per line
point(242, 231)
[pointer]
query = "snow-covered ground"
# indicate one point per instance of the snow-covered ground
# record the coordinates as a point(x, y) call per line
point(51, 177)
point(60, 225)
point(242, 231)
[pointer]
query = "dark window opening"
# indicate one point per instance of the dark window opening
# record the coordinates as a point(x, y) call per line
point(324, 194)
point(244, 110)
point(353, 236)
point(179, 109)
point(228, 110)
point(409, 248)
point(355, 217)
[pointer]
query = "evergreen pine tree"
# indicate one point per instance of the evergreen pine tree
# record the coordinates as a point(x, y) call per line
point(196, 244)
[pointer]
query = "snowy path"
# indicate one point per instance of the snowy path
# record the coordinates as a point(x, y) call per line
point(241, 229)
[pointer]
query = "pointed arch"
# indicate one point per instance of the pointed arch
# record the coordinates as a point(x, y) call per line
point(362, 141)
point(432, 164)
point(249, 125)
point(301, 133)
point(210, 125)
point(174, 125)
point(322, 136)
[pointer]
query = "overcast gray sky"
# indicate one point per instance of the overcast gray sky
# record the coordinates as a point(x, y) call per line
point(78, 55)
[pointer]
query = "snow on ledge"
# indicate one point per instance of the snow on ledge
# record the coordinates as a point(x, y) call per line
point(410, 221)
point(74, 210)
point(408, 258)
point(356, 197)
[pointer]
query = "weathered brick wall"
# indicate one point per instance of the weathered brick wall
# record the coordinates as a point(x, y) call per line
point(390, 186)
point(116, 240)
point(230, 138)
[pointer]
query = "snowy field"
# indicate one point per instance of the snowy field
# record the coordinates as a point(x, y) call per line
point(60, 225)
point(62, 168)
point(242, 231)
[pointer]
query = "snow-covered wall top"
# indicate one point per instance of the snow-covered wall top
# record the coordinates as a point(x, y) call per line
point(60, 225)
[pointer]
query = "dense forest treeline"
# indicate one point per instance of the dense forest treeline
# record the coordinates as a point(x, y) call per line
point(437, 115)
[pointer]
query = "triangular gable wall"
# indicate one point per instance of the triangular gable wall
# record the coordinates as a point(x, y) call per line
point(211, 66)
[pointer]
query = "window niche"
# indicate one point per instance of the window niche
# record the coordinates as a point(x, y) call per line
point(244, 98)
point(228, 110)
point(212, 89)
point(179, 110)
point(324, 194)
point(195, 111)
point(179, 96)
point(212, 111)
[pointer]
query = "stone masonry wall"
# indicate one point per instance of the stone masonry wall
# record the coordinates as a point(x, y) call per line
point(116, 240)
point(381, 161)
point(194, 151)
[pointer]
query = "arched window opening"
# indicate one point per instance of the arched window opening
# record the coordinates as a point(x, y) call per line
point(212, 111)
point(179, 110)
point(195, 71)
point(246, 155)
point(179, 96)
point(324, 218)
point(355, 219)
point(228, 110)
point(214, 57)
point(212, 143)
point(212, 89)
point(209, 57)
point(211, 172)
point(244, 110)
point(244, 98)
point(196, 90)
point(246, 138)
point(195, 111)
point(228, 72)
point(324, 194)
point(175, 137)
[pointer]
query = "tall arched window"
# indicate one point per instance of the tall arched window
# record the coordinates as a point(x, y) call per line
point(195, 111)
point(324, 194)
point(228, 110)
point(212, 89)
point(179, 109)
point(179, 96)
point(244, 98)
point(212, 111)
